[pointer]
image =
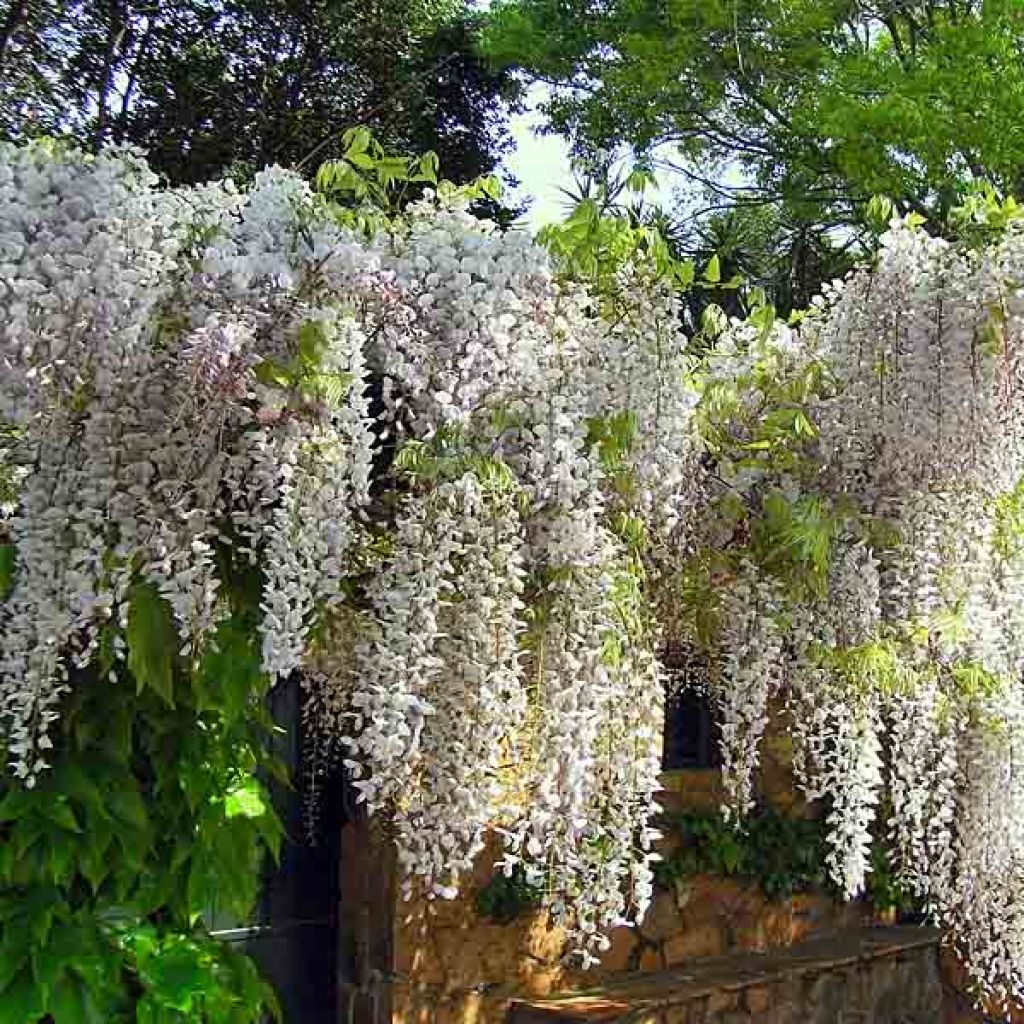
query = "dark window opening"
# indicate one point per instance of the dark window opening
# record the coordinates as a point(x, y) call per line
point(691, 732)
point(691, 728)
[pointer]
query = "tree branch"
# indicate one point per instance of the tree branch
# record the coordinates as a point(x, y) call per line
point(15, 20)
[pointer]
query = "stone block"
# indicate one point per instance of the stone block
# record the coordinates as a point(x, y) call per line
point(539, 980)
point(721, 1000)
point(622, 955)
point(663, 918)
point(652, 958)
point(692, 943)
point(824, 999)
point(542, 940)
point(757, 998)
point(682, 1013)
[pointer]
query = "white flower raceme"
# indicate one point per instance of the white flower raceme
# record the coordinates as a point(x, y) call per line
point(189, 370)
point(437, 688)
point(981, 901)
point(750, 674)
point(923, 780)
point(904, 672)
point(131, 351)
point(591, 738)
point(479, 573)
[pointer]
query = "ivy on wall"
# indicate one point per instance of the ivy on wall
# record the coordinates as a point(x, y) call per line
point(151, 824)
point(782, 854)
point(507, 897)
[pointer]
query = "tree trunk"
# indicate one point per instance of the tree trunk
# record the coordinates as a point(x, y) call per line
point(14, 20)
point(116, 33)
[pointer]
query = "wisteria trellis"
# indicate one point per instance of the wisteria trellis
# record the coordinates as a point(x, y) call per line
point(474, 570)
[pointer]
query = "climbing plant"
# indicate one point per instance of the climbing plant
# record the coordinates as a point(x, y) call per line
point(861, 561)
point(782, 854)
point(468, 497)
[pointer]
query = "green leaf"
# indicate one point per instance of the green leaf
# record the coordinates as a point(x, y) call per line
point(332, 388)
point(763, 317)
point(312, 343)
point(22, 1001)
point(176, 976)
point(152, 641)
point(490, 185)
point(363, 161)
point(430, 166)
point(639, 180)
point(231, 669)
point(69, 1003)
point(11, 963)
point(94, 864)
point(686, 273)
point(713, 271)
point(61, 815)
point(128, 807)
point(880, 210)
point(273, 374)
point(16, 804)
point(245, 800)
point(356, 141)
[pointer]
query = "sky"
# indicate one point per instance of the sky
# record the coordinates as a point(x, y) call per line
point(541, 164)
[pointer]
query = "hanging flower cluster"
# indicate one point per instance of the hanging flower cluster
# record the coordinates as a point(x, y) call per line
point(479, 498)
point(179, 371)
point(868, 469)
point(509, 677)
point(457, 577)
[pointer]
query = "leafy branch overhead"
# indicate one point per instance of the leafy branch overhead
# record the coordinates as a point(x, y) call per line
point(784, 119)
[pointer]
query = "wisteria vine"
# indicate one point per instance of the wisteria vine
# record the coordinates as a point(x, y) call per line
point(481, 496)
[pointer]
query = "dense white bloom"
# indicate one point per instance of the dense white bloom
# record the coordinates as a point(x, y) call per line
point(192, 369)
point(479, 575)
point(750, 674)
point(904, 674)
point(437, 689)
point(130, 354)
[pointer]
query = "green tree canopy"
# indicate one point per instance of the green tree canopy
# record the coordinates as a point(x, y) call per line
point(213, 86)
point(813, 106)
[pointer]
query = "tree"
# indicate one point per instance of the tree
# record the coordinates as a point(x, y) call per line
point(207, 87)
point(818, 105)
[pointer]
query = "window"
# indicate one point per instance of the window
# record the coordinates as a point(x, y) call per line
point(294, 934)
point(691, 733)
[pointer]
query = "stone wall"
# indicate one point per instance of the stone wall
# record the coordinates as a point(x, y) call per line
point(438, 962)
point(452, 967)
point(443, 964)
point(869, 976)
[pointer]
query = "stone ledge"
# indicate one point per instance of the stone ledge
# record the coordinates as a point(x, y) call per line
point(645, 995)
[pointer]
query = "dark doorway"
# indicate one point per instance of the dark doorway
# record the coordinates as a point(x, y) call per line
point(294, 937)
point(691, 727)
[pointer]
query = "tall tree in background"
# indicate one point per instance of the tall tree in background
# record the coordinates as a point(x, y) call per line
point(208, 86)
point(807, 108)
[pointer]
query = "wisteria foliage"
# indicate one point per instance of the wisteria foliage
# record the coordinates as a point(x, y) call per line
point(480, 498)
point(868, 468)
point(188, 372)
